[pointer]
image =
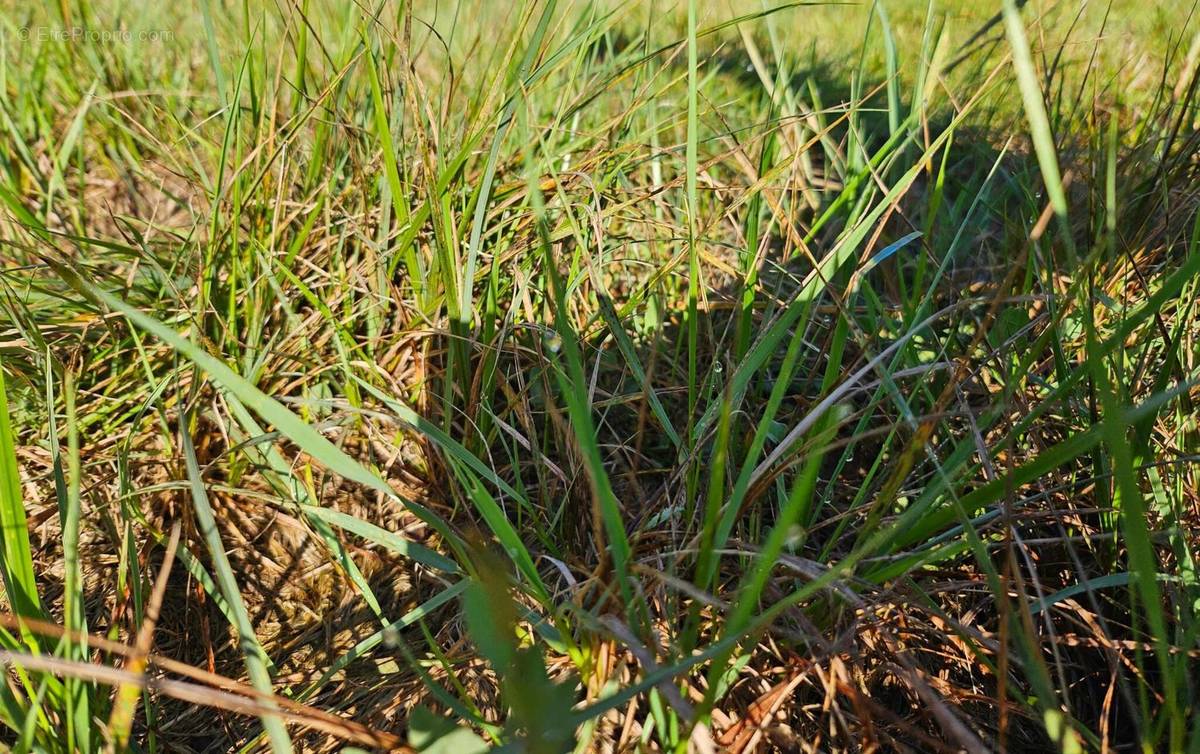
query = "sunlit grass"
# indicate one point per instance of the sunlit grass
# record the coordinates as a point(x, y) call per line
point(599, 376)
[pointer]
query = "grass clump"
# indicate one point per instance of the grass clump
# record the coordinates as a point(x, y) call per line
point(580, 376)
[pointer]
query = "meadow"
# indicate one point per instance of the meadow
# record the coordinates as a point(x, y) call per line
point(559, 376)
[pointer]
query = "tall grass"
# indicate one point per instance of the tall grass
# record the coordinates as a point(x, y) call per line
point(582, 376)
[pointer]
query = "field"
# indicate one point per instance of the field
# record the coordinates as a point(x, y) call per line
point(554, 375)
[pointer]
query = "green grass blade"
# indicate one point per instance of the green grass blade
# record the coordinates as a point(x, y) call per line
point(297, 490)
point(360, 649)
point(1035, 107)
point(255, 658)
point(16, 558)
point(392, 541)
point(465, 312)
point(76, 691)
point(692, 207)
point(274, 412)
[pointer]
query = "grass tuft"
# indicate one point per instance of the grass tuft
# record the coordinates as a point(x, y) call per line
point(584, 376)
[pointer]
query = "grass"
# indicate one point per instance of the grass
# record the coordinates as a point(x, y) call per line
point(572, 376)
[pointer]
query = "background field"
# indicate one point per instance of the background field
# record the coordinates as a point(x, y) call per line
point(597, 376)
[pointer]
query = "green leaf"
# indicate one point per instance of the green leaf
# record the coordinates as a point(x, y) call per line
point(430, 734)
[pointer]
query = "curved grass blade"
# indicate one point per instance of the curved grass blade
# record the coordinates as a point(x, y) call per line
point(391, 540)
point(489, 171)
point(16, 557)
point(360, 649)
point(1035, 108)
point(306, 437)
point(252, 651)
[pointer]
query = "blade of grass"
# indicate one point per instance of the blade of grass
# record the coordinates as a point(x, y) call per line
point(291, 426)
point(252, 652)
point(489, 171)
point(16, 557)
point(76, 691)
point(573, 385)
point(1035, 107)
point(1143, 561)
point(692, 208)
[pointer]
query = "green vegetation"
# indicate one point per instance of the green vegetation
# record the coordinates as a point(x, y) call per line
point(571, 376)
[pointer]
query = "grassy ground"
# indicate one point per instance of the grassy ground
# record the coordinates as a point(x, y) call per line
point(634, 376)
